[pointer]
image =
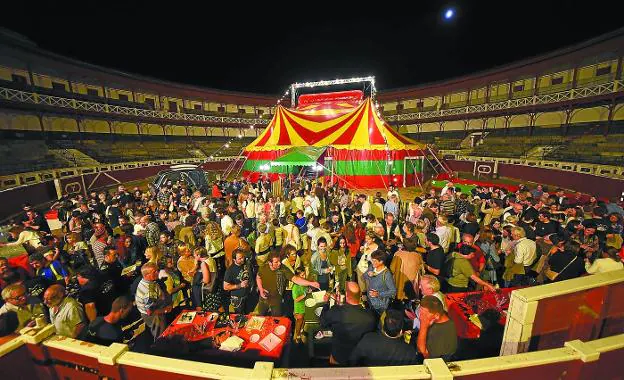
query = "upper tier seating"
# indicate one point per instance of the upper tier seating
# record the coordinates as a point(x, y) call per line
point(19, 156)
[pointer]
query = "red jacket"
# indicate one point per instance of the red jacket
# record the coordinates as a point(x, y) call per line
point(216, 193)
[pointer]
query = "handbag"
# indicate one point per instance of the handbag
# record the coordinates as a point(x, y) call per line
point(552, 275)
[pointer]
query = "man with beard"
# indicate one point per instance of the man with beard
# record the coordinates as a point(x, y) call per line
point(272, 279)
point(236, 282)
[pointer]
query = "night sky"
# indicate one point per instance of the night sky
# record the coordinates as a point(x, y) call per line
point(265, 48)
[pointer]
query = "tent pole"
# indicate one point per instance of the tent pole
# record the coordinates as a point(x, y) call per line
point(417, 177)
point(231, 166)
point(241, 168)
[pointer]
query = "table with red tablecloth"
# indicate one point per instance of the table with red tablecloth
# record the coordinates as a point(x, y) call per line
point(203, 329)
point(15, 254)
point(462, 305)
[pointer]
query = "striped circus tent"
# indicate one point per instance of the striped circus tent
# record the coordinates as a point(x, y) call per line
point(354, 146)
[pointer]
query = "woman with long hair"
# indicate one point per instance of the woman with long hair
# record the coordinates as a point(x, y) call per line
point(340, 258)
point(213, 236)
point(173, 282)
point(492, 260)
point(154, 255)
point(367, 249)
point(173, 221)
point(207, 290)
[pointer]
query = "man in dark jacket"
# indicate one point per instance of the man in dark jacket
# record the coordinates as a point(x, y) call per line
point(348, 324)
point(385, 347)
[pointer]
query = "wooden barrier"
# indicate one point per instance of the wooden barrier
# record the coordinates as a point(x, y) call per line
point(42, 355)
point(546, 316)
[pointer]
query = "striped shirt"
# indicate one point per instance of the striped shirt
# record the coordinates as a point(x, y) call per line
point(148, 296)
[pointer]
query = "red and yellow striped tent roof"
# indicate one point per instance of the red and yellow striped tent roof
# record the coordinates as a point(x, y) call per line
point(342, 125)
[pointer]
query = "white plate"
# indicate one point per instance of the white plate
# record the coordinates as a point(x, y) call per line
point(254, 338)
point(279, 330)
point(318, 311)
point(310, 302)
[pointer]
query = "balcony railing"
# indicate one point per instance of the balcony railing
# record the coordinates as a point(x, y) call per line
point(550, 98)
point(13, 95)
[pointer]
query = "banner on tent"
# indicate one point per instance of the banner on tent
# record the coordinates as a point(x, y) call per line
point(339, 96)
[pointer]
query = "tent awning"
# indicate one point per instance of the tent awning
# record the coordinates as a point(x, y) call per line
point(300, 156)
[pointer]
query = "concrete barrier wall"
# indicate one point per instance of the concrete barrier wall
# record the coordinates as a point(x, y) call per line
point(597, 185)
point(45, 192)
point(52, 357)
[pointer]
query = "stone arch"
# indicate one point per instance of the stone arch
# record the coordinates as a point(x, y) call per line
point(522, 120)
point(94, 126)
point(546, 119)
point(59, 124)
point(586, 115)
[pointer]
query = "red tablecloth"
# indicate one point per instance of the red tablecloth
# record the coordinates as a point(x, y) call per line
point(201, 322)
point(462, 305)
point(20, 261)
point(52, 214)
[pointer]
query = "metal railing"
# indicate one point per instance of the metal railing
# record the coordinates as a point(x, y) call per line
point(14, 95)
point(557, 97)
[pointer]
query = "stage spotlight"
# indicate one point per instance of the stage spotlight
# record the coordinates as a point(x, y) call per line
point(449, 13)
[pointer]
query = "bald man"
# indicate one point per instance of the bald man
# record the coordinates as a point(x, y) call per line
point(348, 323)
point(66, 314)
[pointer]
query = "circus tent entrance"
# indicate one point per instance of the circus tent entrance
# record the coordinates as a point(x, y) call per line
point(305, 161)
point(301, 156)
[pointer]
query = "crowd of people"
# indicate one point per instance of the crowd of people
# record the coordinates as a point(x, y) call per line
point(242, 247)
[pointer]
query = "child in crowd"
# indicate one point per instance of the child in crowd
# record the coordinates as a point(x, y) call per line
point(299, 294)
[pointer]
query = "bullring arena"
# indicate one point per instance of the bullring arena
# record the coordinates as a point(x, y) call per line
point(163, 230)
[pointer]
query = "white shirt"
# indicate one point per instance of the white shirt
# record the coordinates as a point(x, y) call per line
point(197, 202)
point(365, 209)
point(446, 235)
point(226, 225)
point(603, 265)
point(67, 317)
point(525, 251)
point(363, 263)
